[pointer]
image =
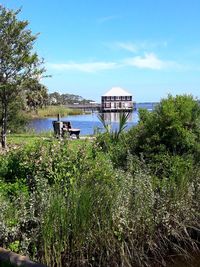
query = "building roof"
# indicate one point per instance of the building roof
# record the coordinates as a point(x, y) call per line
point(117, 91)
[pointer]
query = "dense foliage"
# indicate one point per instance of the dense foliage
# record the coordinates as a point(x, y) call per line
point(122, 201)
point(35, 94)
point(174, 127)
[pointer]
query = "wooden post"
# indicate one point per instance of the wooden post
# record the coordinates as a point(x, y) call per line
point(58, 116)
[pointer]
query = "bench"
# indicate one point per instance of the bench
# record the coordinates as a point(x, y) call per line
point(61, 128)
point(67, 128)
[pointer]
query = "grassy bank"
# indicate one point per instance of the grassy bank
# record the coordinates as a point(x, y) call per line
point(29, 139)
point(53, 111)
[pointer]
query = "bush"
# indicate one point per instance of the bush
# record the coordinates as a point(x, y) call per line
point(174, 127)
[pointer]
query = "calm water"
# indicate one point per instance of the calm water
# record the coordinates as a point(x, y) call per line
point(88, 122)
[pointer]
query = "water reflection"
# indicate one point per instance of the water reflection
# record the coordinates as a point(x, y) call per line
point(114, 117)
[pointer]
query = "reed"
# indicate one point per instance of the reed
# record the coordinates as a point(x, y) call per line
point(53, 111)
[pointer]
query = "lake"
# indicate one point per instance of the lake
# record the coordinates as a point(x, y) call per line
point(88, 122)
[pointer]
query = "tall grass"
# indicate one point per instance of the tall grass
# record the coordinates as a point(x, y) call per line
point(76, 209)
point(124, 222)
point(53, 111)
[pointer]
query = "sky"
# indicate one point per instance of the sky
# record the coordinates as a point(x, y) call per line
point(150, 48)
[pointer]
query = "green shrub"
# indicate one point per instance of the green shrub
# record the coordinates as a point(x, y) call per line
point(174, 127)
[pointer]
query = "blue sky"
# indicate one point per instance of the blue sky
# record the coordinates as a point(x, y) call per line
point(149, 47)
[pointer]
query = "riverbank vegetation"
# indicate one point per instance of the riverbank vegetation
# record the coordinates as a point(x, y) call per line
point(52, 111)
point(127, 201)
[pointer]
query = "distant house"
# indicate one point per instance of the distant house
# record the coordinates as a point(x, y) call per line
point(116, 99)
point(52, 101)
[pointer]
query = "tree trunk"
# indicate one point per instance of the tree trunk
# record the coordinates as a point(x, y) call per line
point(4, 125)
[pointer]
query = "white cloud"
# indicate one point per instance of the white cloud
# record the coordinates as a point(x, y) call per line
point(131, 47)
point(137, 46)
point(83, 67)
point(107, 18)
point(150, 61)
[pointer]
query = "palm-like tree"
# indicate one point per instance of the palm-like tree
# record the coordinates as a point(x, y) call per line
point(115, 134)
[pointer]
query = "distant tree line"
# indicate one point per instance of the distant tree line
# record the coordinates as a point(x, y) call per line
point(64, 99)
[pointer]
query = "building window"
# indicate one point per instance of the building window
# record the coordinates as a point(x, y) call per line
point(123, 97)
point(108, 98)
point(128, 98)
point(112, 98)
point(118, 97)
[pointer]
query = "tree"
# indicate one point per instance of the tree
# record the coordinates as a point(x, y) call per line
point(35, 94)
point(64, 99)
point(18, 62)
